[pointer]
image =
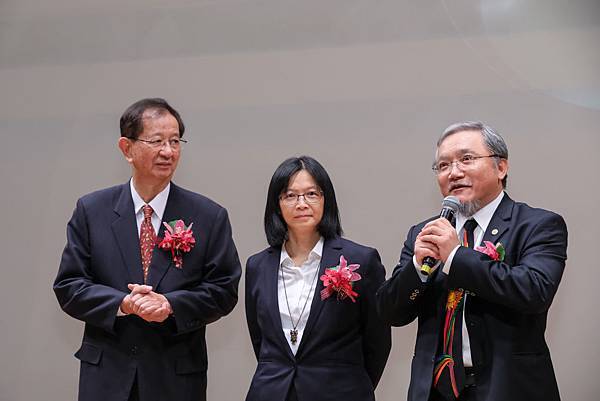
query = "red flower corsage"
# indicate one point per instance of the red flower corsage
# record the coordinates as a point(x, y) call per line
point(340, 279)
point(179, 239)
point(496, 252)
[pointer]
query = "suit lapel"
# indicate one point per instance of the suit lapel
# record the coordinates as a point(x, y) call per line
point(271, 277)
point(162, 259)
point(332, 249)
point(500, 222)
point(126, 234)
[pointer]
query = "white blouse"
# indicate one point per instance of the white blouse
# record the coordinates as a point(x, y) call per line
point(300, 284)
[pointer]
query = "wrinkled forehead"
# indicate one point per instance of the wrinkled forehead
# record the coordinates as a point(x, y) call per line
point(460, 143)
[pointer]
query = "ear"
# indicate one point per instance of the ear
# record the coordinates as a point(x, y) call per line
point(502, 168)
point(126, 148)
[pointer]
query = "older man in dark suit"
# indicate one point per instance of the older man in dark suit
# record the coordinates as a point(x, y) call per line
point(482, 310)
point(145, 308)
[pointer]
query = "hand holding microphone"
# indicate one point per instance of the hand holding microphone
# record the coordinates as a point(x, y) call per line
point(450, 206)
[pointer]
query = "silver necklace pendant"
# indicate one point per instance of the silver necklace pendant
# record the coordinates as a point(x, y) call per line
point(294, 336)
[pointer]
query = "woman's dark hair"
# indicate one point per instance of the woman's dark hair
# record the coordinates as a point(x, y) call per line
point(131, 123)
point(275, 227)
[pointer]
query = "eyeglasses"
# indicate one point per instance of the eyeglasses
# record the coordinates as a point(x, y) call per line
point(174, 143)
point(290, 198)
point(465, 162)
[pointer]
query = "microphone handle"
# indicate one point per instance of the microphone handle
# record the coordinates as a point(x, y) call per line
point(427, 265)
point(428, 261)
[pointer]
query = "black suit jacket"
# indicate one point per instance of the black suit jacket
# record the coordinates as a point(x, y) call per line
point(345, 345)
point(506, 308)
point(102, 256)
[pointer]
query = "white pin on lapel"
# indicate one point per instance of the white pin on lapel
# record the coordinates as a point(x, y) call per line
point(495, 231)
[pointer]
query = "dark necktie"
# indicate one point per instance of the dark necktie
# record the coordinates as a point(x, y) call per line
point(449, 372)
point(147, 239)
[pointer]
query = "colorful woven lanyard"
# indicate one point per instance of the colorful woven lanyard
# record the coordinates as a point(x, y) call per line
point(453, 306)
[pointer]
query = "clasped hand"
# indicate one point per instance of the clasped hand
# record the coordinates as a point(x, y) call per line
point(147, 304)
point(437, 239)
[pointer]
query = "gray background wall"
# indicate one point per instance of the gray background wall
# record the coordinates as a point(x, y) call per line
point(364, 86)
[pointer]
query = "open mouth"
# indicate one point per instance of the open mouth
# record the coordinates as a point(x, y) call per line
point(458, 187)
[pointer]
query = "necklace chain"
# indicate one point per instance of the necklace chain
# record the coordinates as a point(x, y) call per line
point(294, 330)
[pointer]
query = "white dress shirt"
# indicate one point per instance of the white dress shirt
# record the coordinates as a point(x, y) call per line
point(158, 205)
point(300, 284)
point(483, 218)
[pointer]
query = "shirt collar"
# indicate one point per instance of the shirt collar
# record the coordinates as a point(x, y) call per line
point(315, 253)
point(483, 215)
point(158, 203)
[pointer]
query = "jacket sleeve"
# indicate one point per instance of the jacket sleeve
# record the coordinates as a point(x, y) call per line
point(74, 287)
point(251, 318)
point(377, 340)
point(399, 298)
point(530, 284)
point(216, 295)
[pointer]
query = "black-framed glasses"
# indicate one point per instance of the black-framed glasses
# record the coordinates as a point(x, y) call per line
point(290, 198)
point(174, 143)
point(466, 161)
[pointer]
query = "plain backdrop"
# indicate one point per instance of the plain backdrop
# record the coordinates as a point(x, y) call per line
point(366, 87)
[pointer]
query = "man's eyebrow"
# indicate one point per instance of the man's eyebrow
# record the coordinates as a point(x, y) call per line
point(462, 151)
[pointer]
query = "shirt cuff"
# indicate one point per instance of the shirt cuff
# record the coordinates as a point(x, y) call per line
point(422, 276)
point(447, 265)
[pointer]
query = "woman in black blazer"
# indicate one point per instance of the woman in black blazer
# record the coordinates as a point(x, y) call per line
point(315, 331)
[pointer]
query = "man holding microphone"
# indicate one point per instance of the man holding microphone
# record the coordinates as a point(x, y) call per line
point(482, 308)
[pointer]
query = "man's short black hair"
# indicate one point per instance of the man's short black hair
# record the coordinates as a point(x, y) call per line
point(275, 227)
point(131, 121)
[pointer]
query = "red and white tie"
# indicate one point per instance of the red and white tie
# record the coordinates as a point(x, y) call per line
point(147, 239)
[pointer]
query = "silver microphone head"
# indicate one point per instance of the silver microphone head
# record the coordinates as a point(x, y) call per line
point(451, 202)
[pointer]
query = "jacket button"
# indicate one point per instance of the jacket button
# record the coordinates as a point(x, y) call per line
point(134, 350)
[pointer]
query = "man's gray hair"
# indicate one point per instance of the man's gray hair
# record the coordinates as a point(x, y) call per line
point(491, 138)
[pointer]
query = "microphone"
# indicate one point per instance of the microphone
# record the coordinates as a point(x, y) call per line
point(450, 206)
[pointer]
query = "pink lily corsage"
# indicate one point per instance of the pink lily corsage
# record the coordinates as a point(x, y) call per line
point(178, 239)
point(340, 279)
point(496, 252)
